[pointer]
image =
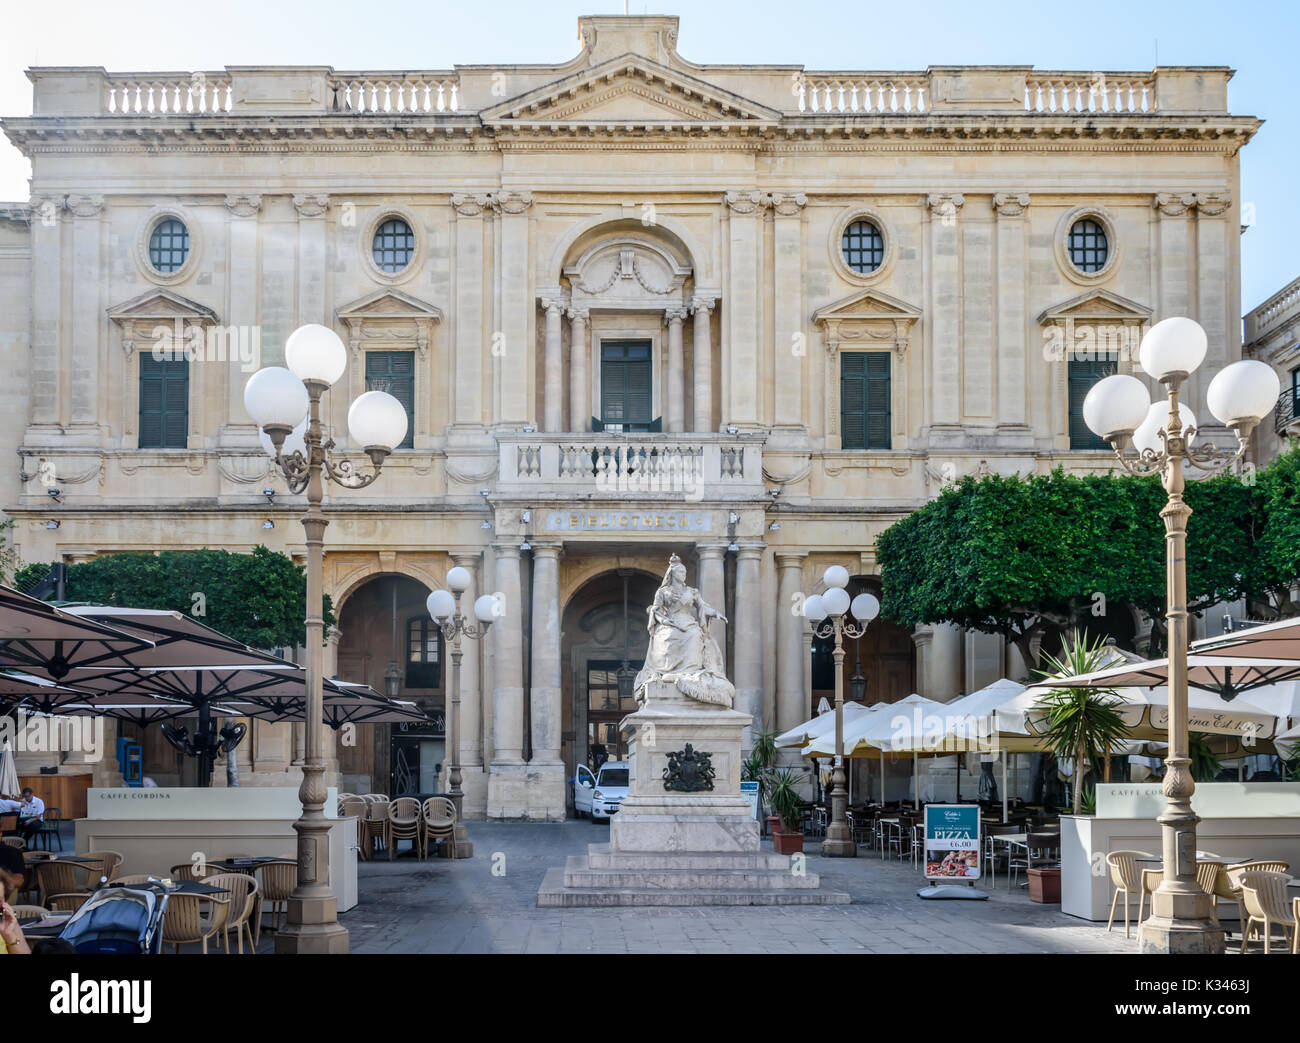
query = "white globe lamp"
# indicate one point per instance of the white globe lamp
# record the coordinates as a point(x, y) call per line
point(316, 354)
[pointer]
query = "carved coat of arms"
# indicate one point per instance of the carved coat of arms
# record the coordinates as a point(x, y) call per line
point(689, 771)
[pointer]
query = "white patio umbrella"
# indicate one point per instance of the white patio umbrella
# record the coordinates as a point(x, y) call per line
point(1288, 742)
point(8, 773)
point(801, 734)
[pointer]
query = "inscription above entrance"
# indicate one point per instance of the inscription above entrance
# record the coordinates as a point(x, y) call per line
point(629, 521)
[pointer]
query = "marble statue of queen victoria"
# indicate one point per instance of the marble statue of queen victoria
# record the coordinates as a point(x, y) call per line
point(681, 652)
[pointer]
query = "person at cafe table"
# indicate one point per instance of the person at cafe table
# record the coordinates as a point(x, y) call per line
point(31, 812)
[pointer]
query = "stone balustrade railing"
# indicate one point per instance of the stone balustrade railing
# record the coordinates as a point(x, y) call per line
point(167, 94)
point(672, 467)
point(1090, 92)
point(862, 92)
point(387, 92)
point(1282, 306)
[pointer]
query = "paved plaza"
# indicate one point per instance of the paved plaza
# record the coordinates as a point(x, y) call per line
point(438, 906)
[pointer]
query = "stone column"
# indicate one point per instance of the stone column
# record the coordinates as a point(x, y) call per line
point(675, 406)
point(547, 691)
point(312, 267)
point(471, 698)
point(1214, 264)
point(1012, 360)
point(87, 314)
point(516, 303)
point(749, 638)
point(939, 660)
point(702, 345)
point(790, 351)
point(712, 584)
point(579, 382)
point(553, 368)
point(945, 312)
point(742, 346)
point(469, 346)
point(983, 660)
point(508, 694)
point(791, 701)
point(47, 367)
point(242, 312)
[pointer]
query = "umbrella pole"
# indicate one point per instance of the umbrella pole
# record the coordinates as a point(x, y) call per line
point(882, 775)
point(916, 782)
point(1002, 756)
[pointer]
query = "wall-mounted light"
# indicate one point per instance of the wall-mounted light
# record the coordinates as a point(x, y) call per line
point(55, 493)
point(525, 545)
point(733, 547)
point(269, 494)
point(268, 524)
point(486, 525)
point(52, 523)
point(530, 429)
point(774, 527)
point(526, 517)
point(732, 429)
point(733, 518)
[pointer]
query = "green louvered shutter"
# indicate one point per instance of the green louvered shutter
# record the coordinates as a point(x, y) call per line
point(1083, 374)
point(164, 402)
point(394, 372)
point(865, 400)
point(625, 385)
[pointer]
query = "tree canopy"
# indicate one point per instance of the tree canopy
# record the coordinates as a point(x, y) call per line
point(256, 598)
point(1018, 556)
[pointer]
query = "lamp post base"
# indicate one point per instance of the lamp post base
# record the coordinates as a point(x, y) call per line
point(313, 929)
point(839, 842)
point(459, 845)
point(1181, 937)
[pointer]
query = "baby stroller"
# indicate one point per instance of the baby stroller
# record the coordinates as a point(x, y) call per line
point(119, 920)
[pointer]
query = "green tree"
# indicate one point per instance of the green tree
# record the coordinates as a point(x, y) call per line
point(256, 598)
point(1277, 532)
point(1082, 723)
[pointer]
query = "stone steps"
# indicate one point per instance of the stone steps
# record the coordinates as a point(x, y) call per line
point(603, 856)
point(554, 894)
point(579, 873)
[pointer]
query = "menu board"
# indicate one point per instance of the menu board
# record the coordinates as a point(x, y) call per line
point(952, 841)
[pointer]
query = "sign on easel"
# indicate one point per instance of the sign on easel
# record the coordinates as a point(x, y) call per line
point(749, 791)
point(952, 842)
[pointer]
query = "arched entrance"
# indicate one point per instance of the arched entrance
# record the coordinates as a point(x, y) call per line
point(388, 641)
point(599, 637)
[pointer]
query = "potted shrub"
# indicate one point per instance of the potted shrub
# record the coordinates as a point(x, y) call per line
point(757, 766)
point(783, 798)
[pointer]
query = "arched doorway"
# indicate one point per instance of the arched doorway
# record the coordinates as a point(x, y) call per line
point(600, 636)
point(388, 641)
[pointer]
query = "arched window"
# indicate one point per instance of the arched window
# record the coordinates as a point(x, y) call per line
point(423, 653)
point(169, 245)
point(393, 245)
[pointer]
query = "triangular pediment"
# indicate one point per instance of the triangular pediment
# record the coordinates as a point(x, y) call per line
point(1097, 306)
point(629, 90)
point(389, 304)
point(160, 306)
point(866, 304)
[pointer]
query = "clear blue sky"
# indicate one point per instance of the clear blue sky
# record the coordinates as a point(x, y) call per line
point(1257, 39)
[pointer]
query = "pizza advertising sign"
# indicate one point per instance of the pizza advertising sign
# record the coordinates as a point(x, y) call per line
point(952, 841)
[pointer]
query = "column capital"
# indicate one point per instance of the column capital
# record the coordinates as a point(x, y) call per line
point(1174, 204)
point(788, 204)
point(703, 303)
point(674, 313)
point(311, 205)
point(747, 202)
point(511, 202)
point(244, 205)
point(944, 205)
point(553, 305)
point(1212, 204)
point(505, 550)
point(710, 550)
point(1011, 204)
point(791, 559)
point(85, 206)
point(577, 314)
point(466, 559)
point(750, 551)
point(546, 548)
point(471, 205)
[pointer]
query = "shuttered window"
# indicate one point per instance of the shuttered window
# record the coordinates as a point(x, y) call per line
point(394, 372)
point(625, 389)
point(864, 400)
point(1083, 374)
point(164, 401)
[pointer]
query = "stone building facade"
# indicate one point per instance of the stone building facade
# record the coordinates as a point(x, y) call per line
point(635, 305)
point(1272, 335)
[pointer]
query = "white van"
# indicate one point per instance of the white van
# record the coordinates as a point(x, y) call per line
point(600, 795)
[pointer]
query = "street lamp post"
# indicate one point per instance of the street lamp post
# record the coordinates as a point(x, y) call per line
point(826, 613)
point(1119, 409)
point(444, 607)
point(278, 399)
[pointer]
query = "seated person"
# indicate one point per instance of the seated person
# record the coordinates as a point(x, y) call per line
point(13, 869)
point(11, 935)
point(30, 814)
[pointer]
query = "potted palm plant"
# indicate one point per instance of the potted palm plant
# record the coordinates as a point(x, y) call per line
point(758, 765)
point(1082, 724)
point(783, 798)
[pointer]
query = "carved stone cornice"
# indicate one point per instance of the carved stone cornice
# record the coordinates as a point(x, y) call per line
point(945, 205)
point(311, 205)
point(85, 206)
point(788, 204)
point(1011, 204)
point(243, 205)
point(747, 202)
point(1174, 204)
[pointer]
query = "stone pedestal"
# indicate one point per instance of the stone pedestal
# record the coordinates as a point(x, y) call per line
point(671, 846)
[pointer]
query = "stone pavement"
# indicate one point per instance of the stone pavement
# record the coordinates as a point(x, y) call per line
point(439, 906)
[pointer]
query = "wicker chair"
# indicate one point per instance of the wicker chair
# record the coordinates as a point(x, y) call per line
point(275, 883)
point(17, 842)
point(135, 879)
point(28, 912)
point(403, 824)
point(1264, 896)
point(376, 823)
point(240, 903)
point(1228, 883)
point(67, 902)
point(1126, 878)
point(194, 919)
point(355, 807)
point(439, 822)
point(108, 864)
point(187, 871)
point(55, 878)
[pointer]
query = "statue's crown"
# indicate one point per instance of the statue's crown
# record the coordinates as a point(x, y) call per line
point(673, 559)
